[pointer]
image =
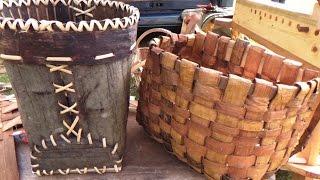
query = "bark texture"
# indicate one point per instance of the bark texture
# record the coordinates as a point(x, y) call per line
point(101, 93)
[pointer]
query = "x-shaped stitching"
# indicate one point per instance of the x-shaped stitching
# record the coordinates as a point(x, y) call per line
point(73, 125)
point(63, 88)
point(71, 128)
point(68, 109)
point(85, 12)
point(61, 68)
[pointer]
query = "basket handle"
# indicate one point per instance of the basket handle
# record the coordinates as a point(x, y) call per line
point(154, 30)
point(137, 62)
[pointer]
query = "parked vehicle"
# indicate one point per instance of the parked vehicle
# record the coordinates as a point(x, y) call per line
point(167, 13)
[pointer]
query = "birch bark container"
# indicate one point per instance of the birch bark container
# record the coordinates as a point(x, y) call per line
point(69, 64)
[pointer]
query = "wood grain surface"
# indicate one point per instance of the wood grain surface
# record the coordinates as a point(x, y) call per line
point(8, 162)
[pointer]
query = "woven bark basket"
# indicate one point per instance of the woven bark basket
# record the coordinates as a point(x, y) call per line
point(69, 64)
point(227, 108)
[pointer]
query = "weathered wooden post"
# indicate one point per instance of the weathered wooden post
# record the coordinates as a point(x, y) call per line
point(69, 63)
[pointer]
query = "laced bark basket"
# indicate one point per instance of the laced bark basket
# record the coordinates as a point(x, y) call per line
point(227, 108)
point(69, 64)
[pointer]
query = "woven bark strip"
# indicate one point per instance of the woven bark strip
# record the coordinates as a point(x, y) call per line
point(272, 66)
point(221, 63)
point(198, 47)
point(238, 51)
point(69, 63)
point(237, 113)
point(252, 61)
point(209, 50)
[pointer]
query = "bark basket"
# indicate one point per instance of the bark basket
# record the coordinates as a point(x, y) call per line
point(69, 64)
point(227, 108)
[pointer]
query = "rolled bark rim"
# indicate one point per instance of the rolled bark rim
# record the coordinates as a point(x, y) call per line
point(37, 24)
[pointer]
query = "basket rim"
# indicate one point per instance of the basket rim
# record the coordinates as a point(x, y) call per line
point(31, 24)
point(155, 42)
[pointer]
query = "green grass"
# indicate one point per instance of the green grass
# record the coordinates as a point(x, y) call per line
point(134, 88)
point(4, 78)
point(283, 175)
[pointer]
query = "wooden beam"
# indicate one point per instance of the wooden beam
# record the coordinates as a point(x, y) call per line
point(311, 152)
point(8, 162)
point(291, 34)
point(307, 162)
point(303, 170)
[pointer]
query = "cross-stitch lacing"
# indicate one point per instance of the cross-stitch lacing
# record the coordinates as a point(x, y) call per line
point(68, 109)
point(61, 68)
point(63, 88)
point(47, 25)
point(85, 12)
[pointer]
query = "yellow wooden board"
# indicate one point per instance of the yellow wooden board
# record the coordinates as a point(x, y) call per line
point(291, 34)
